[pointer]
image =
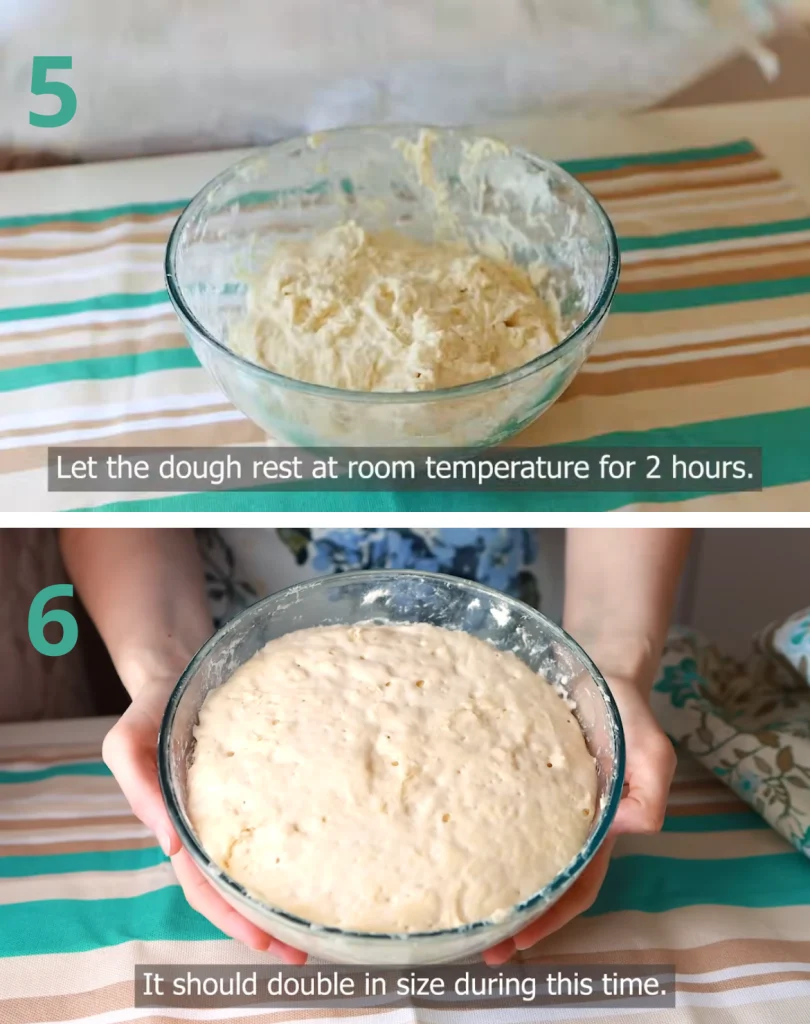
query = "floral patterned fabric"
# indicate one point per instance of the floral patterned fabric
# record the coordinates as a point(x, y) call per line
point(748, 721)
point(791, 640)
point(498, 558)
point(227, 586)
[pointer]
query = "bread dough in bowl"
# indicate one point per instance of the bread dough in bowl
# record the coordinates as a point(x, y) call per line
point(390, 778)
point(366, 311)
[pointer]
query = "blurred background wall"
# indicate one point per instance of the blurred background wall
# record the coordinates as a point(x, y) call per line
point(736, 582)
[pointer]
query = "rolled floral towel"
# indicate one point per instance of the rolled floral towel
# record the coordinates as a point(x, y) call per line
point(747, 721)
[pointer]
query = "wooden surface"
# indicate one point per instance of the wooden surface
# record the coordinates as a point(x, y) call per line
point(741, 79)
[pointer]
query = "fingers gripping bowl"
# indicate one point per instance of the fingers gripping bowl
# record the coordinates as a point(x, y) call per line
point(462, 187)
point(394, 596)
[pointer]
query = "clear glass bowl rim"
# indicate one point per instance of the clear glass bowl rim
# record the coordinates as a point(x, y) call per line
point(377, 577)
point(592, 318)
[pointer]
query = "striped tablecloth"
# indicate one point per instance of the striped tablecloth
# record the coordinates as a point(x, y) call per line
point(707, 343)
point(85, 895)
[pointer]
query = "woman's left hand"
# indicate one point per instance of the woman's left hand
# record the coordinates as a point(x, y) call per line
point(650, 765)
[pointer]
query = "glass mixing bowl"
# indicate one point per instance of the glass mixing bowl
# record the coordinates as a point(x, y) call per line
point(394, 596)
point(528, 209)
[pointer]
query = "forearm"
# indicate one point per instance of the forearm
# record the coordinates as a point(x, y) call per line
point(145, 591)
point(620, 590)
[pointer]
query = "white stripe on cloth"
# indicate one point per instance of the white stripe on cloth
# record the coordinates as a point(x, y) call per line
point(66, 437)
point(47, 417)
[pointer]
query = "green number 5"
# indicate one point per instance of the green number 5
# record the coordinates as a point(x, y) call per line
point(40, 86)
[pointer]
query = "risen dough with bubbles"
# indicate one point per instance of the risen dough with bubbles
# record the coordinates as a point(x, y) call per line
point(382, 312)
point(389, 777)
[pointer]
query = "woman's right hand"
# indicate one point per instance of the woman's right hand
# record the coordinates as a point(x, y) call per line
point(152, 624)
point(130, 752)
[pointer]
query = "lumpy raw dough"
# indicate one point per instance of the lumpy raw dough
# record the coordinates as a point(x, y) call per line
point(383, 312)
point(389, 778)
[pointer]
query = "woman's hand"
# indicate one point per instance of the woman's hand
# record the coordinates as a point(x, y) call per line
point(648, 775)
point(152, 624)
point(620, 587)
point(650, 763)
point(130, 753)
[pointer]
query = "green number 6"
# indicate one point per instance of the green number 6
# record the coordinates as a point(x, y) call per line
point(40, 86)
point(37, 622)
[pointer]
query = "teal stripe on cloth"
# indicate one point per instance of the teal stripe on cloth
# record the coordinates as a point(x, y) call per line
point(40, 774)
point(730, 822)
point(75, 926)
point(657, 884)
point(714, 295)
point(703, 236)
point(105, 368)
point(27, 865)
point(116, 301)
point(247, 199)
point(633, 302)
point(68, 863)
point(673, 156)
point(572, 166)
point(649, 884)
point(148, 209)
point(781, 435)
point(94, 216)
